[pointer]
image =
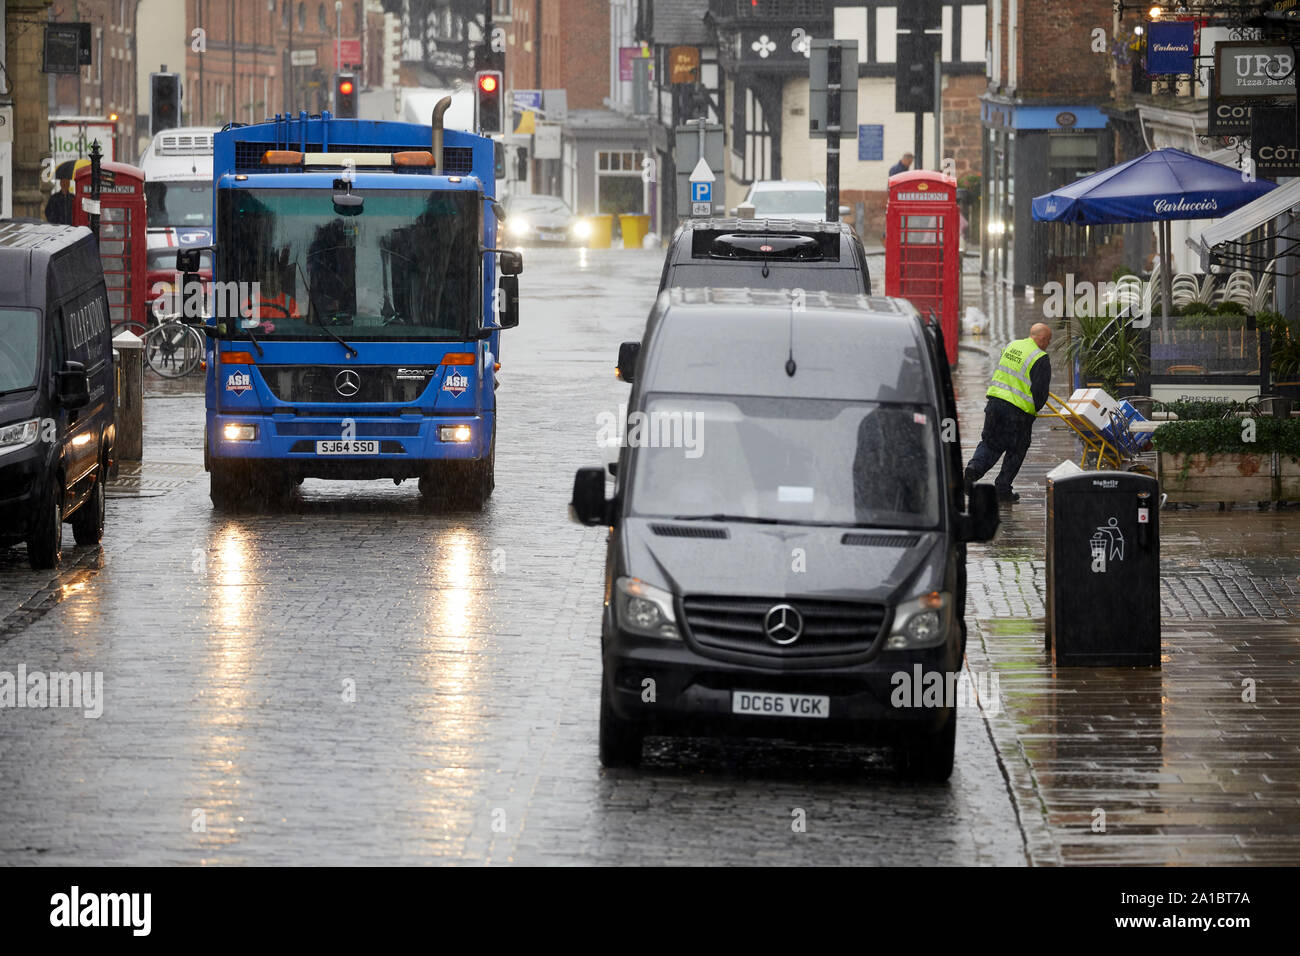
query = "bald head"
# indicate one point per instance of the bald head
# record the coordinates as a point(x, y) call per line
point(1041, 334)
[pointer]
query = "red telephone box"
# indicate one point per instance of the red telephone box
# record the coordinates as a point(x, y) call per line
point(122, 241)
point(922, 260)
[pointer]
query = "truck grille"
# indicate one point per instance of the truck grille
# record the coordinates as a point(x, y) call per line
point(830, 628)
point(318, 383)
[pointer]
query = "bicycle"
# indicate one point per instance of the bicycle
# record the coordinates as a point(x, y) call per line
point(173, 348)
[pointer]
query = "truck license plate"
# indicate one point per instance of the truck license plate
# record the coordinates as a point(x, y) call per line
point(760, 704)
point(353, 447)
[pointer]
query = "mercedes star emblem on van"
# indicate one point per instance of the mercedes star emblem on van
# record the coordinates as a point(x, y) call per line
point(347, 383)
point(783, 624)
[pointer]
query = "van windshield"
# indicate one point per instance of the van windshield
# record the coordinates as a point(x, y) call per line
point(749, 274)
point(20, 331)
point(790, 461)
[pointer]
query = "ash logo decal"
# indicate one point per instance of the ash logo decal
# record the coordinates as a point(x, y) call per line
point(238, 382)
point(455, 383)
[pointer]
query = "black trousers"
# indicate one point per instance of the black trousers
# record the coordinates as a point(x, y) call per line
point(1007, 434)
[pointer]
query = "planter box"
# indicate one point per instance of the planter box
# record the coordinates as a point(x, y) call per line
point(1288, 478)
point(1228, 477)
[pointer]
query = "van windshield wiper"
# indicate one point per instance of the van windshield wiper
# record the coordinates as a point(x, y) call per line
point(725, 517)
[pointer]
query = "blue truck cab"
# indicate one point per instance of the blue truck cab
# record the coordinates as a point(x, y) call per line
point(355, 312)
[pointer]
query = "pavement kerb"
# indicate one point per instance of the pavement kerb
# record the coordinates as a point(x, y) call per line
point(1040, 848)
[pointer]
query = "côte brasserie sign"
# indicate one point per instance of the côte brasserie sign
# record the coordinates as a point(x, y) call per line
point(1249, 70)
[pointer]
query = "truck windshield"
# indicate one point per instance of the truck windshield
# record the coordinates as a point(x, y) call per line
point(407, 266)
point(186, 203)
point(20, 331)
point(782, 460)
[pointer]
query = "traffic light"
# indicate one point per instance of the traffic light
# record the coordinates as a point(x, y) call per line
point(164, 101)
point(488, 101)
point(345, 95)
point(914, 72)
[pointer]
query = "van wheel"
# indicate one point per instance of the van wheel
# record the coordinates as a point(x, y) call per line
point(228, 485)
point(620, 740)
point(88, 520)
point(44, 547)
point(929, 756)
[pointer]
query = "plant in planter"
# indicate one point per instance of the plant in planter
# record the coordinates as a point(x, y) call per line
point(1109, 351)
point(1284, 364)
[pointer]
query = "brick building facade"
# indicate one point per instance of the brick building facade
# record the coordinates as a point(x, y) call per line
point(559, 45)
point(1043, 126)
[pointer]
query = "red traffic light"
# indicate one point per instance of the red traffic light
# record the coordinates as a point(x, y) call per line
point(345, 87)
point(487, 83)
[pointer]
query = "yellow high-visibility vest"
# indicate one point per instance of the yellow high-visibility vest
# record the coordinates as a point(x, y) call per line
point(1011, 377)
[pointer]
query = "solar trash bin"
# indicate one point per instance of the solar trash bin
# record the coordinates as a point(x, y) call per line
point(1103, 570)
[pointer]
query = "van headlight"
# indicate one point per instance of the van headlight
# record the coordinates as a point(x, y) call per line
point(644, 609)
point(517, 225)
point(19, 435)
point(582, 229)
point(921, 622)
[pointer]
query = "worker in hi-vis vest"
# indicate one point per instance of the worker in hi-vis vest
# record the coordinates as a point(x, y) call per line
point(1017, 392)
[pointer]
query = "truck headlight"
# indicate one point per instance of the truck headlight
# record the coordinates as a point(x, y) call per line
point(644, 609)
point(921, 622)
point(19, 435)
point(235, 432)
point(458, 433)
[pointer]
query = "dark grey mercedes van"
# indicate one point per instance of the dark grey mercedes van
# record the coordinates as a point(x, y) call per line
point(57, 387)
point(787, 528)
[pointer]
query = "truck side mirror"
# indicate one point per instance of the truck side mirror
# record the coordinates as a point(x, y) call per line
point(189, 259)
point(629, 353)
point(73, 386)
point(589, 506)
point(980, 523)
point(508, 314)
point(511, 263)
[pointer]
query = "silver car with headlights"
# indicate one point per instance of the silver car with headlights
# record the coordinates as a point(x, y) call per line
point(544, 220)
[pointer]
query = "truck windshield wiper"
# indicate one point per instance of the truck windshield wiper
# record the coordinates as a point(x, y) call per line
point(253, 338)
point(319, 314)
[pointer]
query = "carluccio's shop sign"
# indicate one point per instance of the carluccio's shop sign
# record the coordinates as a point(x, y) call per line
point(1249, 70)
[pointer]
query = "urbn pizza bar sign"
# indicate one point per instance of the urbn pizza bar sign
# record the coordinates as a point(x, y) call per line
point(1248, 70)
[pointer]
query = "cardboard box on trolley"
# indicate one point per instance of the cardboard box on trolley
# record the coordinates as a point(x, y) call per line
point(1093, 405)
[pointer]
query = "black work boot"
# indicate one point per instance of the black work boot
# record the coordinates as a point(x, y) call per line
point(1006, 494)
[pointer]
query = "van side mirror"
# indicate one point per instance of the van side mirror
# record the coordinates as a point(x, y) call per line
point(508, 315)
point(980, 523)
point(73, 386)
point(511, 263)
point(746, 210)
point(629, 353)
point(589, 506)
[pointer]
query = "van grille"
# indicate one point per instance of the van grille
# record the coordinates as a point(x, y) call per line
point(830, 628)
point(688, 531)
point(881, 540)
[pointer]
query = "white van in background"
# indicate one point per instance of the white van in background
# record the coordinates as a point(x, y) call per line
point(178, 187)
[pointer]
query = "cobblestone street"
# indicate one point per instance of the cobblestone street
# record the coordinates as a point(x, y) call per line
point(351, 679)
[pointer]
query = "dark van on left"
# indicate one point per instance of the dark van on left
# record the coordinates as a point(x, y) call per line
point(56, 387)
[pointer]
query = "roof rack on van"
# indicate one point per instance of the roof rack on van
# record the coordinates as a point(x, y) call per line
point(781, 241)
